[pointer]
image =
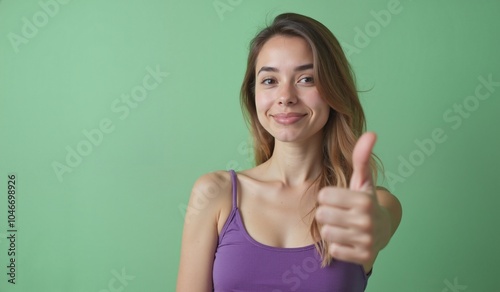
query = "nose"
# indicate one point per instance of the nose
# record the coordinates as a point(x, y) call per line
point(287, 94)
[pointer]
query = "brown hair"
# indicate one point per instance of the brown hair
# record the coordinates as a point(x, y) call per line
point(335, 82)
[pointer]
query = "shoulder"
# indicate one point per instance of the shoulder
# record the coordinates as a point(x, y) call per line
point(392, 204)
point(199, 239)
point(212, 184)
point(210, 194)
point(385, 197)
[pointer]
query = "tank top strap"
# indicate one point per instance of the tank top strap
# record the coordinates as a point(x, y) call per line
point(234, 184)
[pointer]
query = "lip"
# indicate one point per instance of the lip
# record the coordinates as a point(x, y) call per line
point(287, 118)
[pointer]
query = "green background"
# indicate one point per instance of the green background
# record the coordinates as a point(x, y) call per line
point(122, 206)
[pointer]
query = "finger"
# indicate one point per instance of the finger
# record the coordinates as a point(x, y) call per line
point(348, 253)
point(336, 234)
point(353, 218)
point(341, 198)
point(344, 236)
point(361, 179)
point(333, 216)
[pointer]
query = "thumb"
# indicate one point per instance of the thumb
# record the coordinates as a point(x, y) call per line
point(361, 179)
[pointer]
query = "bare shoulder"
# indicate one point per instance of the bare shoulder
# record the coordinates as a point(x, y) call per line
point(210, 196)
point(212, 184)
point(391, 203)
point(383, 194)
point(199, 237)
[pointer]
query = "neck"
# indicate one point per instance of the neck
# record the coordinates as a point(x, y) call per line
point(297, 163)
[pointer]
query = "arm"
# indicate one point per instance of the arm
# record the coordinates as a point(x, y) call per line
point(199, 239)
point(392, 207)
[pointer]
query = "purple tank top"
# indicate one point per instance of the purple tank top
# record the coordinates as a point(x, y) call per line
point(242, 264)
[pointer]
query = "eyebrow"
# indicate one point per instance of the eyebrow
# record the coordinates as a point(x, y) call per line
point(298, 68)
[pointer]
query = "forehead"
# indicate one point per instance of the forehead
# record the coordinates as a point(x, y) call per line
point(284, 49)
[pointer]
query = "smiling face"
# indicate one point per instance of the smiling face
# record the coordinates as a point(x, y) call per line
point(288, 104)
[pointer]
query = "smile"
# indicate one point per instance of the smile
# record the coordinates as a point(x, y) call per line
point(288, 119)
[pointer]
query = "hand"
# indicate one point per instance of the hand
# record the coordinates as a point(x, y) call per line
point(355, 226)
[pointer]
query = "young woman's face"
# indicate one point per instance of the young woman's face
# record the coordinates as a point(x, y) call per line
point(288, 104)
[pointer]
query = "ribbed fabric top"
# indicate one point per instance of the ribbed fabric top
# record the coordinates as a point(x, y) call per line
point(242, 264)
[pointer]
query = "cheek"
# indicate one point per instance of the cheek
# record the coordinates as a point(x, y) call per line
point(321, 107)
point(317, 103)
point(262, 104)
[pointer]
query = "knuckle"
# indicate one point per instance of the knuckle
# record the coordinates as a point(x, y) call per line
point(366, 203)
point(366, 224)
point(320, 214)
point(325, 232)
point(323, 195)
point(368, 241)
point(333, 250)
point(364, 255)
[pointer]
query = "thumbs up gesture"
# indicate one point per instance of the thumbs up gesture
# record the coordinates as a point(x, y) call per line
point(353, 223)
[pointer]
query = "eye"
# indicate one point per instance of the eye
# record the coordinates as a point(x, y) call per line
point(268, 81)
point(307, 79)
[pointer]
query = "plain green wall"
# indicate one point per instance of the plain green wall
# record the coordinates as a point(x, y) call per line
point(121, 206)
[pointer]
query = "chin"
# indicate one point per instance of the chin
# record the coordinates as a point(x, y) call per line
point(289, 138)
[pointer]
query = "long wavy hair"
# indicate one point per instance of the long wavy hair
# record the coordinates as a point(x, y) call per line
point(335, 83)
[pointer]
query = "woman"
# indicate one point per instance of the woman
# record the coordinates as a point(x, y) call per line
point(308, 217)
